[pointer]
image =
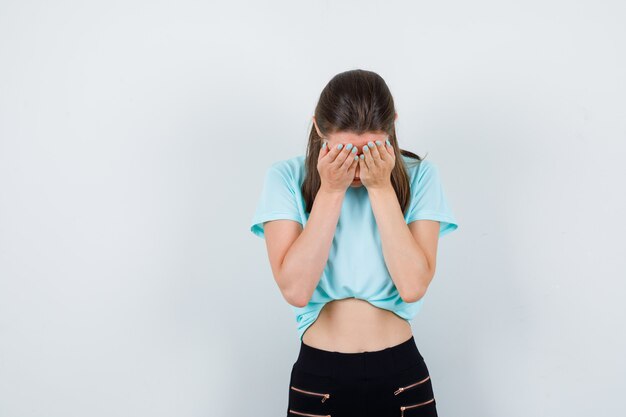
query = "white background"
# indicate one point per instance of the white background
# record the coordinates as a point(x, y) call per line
point(133, 139)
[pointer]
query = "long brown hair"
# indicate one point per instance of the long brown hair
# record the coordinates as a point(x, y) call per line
point(356, 101)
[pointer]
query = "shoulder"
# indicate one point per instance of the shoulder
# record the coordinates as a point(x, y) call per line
point(418, 170)
point(289, 166)
point(290, 170)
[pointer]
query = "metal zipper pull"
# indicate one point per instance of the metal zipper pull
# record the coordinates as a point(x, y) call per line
point(399, 390)
point(307, 414)
point(321, 394)
point(404, 407)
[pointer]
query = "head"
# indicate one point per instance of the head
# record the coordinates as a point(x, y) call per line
point(355, 107)
point(356, 139)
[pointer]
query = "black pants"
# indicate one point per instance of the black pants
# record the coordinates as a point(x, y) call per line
point(392, 382)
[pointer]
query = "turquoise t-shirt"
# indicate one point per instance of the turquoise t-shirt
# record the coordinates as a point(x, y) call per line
point(355, 266)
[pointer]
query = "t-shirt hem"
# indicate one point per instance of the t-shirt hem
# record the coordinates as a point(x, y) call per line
point(448, 225)
point(257, 222)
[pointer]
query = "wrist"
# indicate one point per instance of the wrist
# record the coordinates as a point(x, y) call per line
point(386, 188)
point(329, 191)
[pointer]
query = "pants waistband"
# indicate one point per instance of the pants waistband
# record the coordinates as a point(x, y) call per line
point(360, 364)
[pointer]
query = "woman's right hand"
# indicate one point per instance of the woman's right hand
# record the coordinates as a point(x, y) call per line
point(337, 167)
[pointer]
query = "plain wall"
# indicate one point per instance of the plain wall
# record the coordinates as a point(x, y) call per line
point(133, 140)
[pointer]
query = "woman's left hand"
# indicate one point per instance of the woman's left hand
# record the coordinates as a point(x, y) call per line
point(376, 165)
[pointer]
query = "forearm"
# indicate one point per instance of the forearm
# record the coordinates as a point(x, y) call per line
point(306, 259)
point(405, 260)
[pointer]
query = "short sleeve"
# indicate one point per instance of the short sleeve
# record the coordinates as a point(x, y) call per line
point(428, 199)
point(277, 201)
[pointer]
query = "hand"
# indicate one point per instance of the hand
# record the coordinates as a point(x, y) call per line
point(336, 168)
point(376, 165)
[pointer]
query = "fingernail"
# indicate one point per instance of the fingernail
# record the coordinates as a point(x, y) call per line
point(349, 146)
point(370, 144)
point(378, 143)
point(323, 145)
point(365, 149)
point(362, 156)
point(388, 143)
point(354, 150)
point(340, 146)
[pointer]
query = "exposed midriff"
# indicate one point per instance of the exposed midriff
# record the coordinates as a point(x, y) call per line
point(353, 325)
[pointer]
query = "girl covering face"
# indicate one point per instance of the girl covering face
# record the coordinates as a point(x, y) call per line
point(352, 230)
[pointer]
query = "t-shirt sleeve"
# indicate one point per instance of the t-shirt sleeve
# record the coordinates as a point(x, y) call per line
point(428, 199)
point(277, 201)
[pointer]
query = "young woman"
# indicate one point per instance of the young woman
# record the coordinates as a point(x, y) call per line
point(351, 231)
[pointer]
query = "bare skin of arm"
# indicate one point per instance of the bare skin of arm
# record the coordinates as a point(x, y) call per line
point(409, 251)
point(298, 255)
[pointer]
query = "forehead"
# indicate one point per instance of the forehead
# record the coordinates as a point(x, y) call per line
point(350, 137)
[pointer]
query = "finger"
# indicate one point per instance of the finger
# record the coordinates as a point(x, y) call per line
point(376, 157)
point(323, 150)
point(349, 158)
point(367, 157)
point(345, 159)
point(362, 164)
point(354, 164)
point(389, 146)
point(380, 150)
point(332, 154)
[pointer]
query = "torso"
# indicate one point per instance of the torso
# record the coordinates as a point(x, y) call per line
point(352, 325)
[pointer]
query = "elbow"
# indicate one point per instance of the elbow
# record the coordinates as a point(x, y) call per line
point(418, 289)
point(288, 290)
point(295, 296)
point(296, 300)
point(414, 295)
